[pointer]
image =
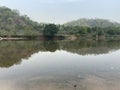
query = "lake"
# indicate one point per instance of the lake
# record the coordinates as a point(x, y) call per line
point(60, 65)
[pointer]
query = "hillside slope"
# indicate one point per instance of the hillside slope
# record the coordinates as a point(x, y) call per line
point(93, 23)
point(12, 23)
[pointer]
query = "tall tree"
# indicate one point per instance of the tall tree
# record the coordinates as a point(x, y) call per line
point(50, 30)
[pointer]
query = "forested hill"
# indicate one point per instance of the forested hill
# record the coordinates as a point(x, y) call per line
point(12, 23)
point(93, 23)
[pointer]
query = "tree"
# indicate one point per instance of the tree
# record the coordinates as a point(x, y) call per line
point(50, 30)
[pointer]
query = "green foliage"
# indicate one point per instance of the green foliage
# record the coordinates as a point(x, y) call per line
point(50, 30)
point(92, 27)
point(11, 23)
point(80, 30)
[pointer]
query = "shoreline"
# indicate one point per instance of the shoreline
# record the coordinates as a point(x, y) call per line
point(60, 37)
point(21, 37)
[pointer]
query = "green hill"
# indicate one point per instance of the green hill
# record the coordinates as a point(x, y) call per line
point(12, 23)
point(91, 27)
point(93, 23)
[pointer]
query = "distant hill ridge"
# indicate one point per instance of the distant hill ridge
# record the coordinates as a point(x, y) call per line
point(12, 23)
point(93, 23)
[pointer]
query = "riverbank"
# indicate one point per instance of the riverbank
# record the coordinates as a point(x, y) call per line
point(58, 37)
point(29, 37)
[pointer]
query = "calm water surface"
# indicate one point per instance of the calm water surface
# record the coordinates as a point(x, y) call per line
point(59, 65)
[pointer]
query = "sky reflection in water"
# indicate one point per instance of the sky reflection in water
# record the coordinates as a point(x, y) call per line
point(62, 69)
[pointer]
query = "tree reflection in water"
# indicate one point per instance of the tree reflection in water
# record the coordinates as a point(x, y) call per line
point(12, 52)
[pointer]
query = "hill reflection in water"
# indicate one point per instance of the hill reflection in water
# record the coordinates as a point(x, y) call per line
point(12, 52)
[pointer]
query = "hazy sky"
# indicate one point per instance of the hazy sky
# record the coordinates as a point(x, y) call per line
point(60, 11)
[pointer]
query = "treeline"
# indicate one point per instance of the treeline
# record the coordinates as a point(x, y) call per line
point(83, 30)
point(12, 23)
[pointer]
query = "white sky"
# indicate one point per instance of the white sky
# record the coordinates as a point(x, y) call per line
point(61, 11)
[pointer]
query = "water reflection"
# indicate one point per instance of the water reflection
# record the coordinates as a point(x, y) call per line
point(59, 65)
point(12, 52)
point(51, 46)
